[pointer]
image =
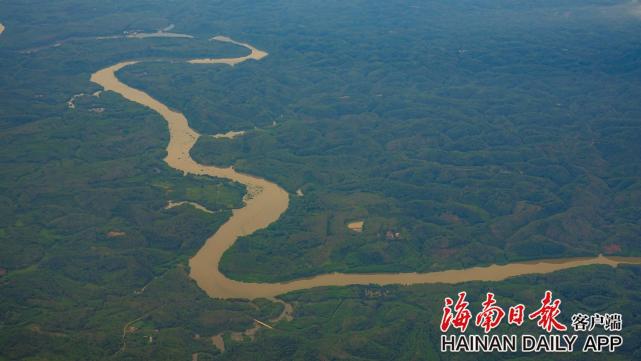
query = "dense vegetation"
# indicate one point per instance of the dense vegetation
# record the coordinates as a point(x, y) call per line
point(463, 133)
point(402, 323)
point(484, 144)
point(87, 244)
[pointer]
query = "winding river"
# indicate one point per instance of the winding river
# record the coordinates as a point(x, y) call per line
point(267, 201)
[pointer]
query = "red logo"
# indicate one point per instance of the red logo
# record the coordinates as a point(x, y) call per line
point(547, 314)
point(516, 315)
point(462, 317)
point(491, 315)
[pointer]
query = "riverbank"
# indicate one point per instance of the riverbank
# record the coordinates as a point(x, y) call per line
point(267, 202)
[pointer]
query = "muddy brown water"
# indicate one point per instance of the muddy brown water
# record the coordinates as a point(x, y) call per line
point(268, 202)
